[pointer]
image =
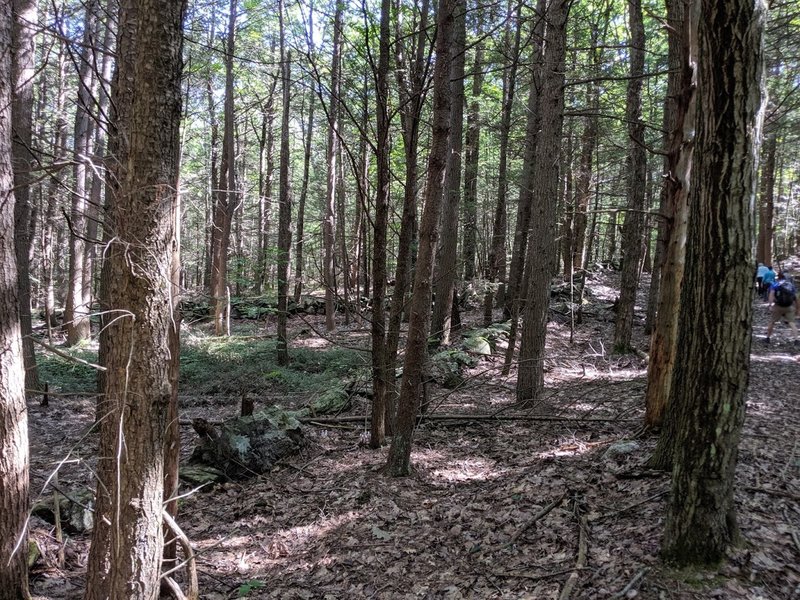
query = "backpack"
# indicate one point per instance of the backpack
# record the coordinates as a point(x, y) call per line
point(785, 294)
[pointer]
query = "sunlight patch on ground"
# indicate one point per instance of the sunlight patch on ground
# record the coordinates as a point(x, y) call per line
point(571, 446)
point(773, 357)
point(315, 343)
point(471, 469)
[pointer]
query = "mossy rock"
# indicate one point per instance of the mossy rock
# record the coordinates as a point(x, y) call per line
point(76, 516)
point(201, 475)
point(251, 445)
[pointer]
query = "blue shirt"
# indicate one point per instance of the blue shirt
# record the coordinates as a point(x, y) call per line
point(769, 277)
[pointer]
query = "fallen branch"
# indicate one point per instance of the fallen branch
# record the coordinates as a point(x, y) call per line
point(777, 493)
point(67, 356)
point(189, 562)
point(532, 521)
point(632, 583)
point(457, 417)
point(530, 577)
point(629, 507)
point(583, 551)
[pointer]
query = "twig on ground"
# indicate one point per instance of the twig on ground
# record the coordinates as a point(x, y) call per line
point(632, 584)
point(532, 521)
point(531, 577)
point(629, 507)
point(583, 551)
point(777, 493)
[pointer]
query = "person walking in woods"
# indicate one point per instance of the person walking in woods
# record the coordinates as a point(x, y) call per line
point(783, 304)
point(766, 281)
point(760, 271)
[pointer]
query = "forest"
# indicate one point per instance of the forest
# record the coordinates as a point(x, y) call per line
point(398, 299)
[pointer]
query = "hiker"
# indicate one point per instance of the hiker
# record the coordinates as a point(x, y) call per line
point(762, 268)
point(767, 279)
point(783, 303)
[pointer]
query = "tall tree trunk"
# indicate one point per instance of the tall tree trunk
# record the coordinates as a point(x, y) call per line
point(284, 200)
point(22, 59)
point(127, 539)
point(54, 187)
point(470, 213)
point(301, 204)
point(329, 219)
point(77, 308)
point(13, 412)
point(496, 268)
point(399, 460)
point(213, 180)
point(675, 199)
point(411, 79)
point(445, 270)
point(637, 175)
point(225, 203)
point(711, 377)
point(542, 250)
point(380, 375)
point(766, 204)
point(513, 296)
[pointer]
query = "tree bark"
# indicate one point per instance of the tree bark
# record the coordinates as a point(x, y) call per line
point(766, 204)
point(677, 184)
point(513, 299)
point(380, 375)
point(23, 57)
point(78, 297)
point(284, 201)
point(329, 219)
point(471, 158)
point(445, 270)
point(13, 411)
point(712, 373)
point(542, 253)
point(637, 175)
point(301, 203)
point(127, 539)
point(225, 203)
point(399, 460)
point(496, 272)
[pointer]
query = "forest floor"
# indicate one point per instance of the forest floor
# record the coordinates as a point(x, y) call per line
point(495, 508)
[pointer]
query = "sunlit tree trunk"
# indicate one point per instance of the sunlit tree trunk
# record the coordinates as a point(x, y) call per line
point(711, 378)
point(13, 412)
point(225, 203)
point(677, 185)
point(78, 297)
point(127, 541)
point(399, 460)
point(542, 248)
point(23, 70)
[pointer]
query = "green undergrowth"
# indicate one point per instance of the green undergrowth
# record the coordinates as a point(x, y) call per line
point(62, 375)
point(234, 365)
point(225, 366)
